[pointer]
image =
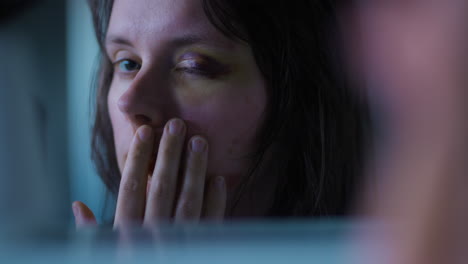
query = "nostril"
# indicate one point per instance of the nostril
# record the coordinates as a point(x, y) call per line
point(142, 119)
point(123, 105)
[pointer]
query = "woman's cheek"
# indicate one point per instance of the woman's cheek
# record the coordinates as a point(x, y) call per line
point(229, 116)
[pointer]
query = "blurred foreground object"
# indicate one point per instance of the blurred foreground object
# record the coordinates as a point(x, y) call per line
point(21, 160)
point(207, 243)
point(31, 83)
point(412, 57)
point(10, 8)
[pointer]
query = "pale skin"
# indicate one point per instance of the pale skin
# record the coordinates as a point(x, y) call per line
point(185, 105)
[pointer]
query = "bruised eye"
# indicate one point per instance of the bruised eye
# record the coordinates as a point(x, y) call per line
point(200, 65)
point(127, 65)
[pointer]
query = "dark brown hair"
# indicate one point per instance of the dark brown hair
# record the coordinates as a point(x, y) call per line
point(316, 123)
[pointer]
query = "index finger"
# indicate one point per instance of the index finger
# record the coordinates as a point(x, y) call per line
point(132, 191)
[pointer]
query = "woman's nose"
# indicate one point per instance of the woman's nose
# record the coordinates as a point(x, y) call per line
point(146, 101)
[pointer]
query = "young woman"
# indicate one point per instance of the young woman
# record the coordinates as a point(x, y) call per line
point(212, 109)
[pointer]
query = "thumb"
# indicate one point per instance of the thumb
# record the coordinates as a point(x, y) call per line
point(84, 217)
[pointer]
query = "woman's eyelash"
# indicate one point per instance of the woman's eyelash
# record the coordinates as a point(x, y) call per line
point(192, 67)
point(127, 65)
point(204, 67)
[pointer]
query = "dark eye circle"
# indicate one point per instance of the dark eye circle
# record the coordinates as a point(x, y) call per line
point(128, 65)
point(193, 63)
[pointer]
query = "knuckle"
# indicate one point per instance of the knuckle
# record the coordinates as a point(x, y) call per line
point(161, 192)
point(169, 151)
point(189, 208)
point(130, 185)
point(138, 153)
point(196, 166)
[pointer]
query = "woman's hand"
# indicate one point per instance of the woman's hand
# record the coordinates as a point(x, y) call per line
point(174, 192)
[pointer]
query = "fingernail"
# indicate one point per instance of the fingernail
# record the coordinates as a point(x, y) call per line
point(144, 133)
point(175, 127)
point(76, 210)
point(198, 145)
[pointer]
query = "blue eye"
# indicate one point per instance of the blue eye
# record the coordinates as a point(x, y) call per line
point(128, 66)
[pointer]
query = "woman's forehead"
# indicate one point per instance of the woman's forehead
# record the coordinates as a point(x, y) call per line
point(164, 12)
point(157, 20)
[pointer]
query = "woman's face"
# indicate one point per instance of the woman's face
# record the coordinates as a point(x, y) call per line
point(170, 61)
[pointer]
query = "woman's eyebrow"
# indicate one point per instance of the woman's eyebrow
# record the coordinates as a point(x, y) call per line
point(118, 40)
point(187, 40)
point(193, 39)
point(176, 42)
